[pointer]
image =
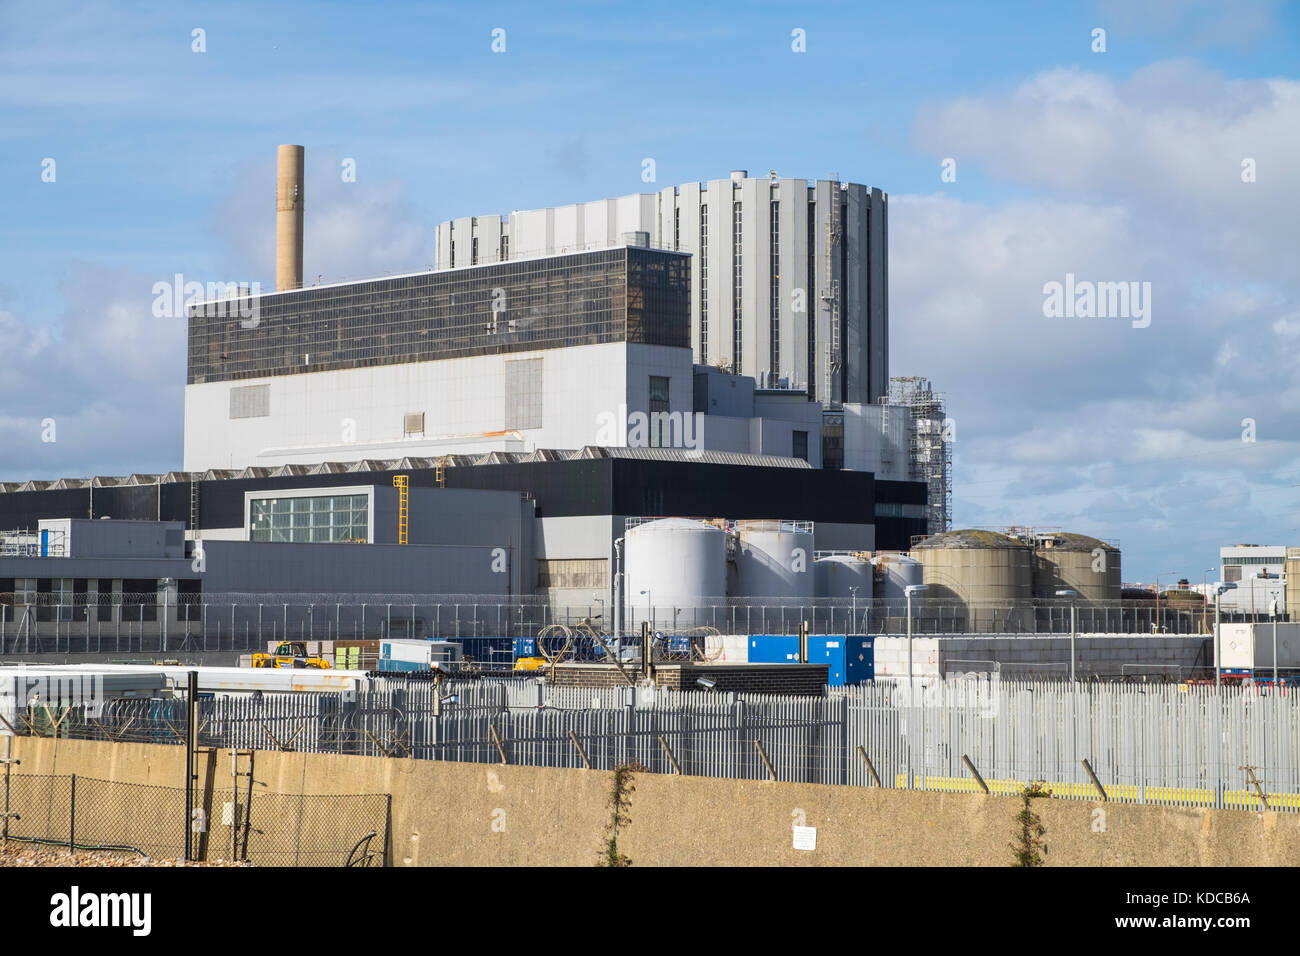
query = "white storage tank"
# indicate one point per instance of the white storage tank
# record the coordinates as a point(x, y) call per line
point(774, 561)
point(678, 567)
point(843, 576)
point(895, 573)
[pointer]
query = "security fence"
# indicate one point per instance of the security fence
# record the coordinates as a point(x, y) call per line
point(1177, 744)
point(162, 622)
point(265, 829)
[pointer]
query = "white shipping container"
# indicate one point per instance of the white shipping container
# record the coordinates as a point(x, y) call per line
point(1250, 646)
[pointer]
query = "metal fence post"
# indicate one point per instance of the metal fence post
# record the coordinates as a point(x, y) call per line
point(72, 816)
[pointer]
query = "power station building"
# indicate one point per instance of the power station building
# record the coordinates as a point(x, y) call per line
point(534, 398)
point(789, 278)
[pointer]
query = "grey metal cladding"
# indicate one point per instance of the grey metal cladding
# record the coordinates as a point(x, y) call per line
point(523, 402)
point(250, 401)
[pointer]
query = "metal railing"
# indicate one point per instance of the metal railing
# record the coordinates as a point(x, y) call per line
point(148, 622)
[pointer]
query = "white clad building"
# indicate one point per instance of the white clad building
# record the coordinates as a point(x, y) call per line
point(789, 278)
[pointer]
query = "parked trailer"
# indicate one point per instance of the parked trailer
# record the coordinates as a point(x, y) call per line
point(412, 655)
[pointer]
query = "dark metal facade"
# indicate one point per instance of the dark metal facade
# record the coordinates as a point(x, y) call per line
point(611, 295)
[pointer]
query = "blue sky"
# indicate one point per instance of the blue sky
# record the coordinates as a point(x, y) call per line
point(1122, 165)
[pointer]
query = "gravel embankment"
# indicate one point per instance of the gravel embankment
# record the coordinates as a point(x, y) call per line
point(37, 854)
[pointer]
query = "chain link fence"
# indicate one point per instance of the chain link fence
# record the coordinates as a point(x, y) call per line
point(265, 829)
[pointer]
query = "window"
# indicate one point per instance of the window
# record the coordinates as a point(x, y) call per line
point(524, 394)
point(609, 295)
point(775, 292)
point(1232, 572)
point(799, 445)
point(413, 423)
point(314, 519)
point(704, 285)
point(505, 248)
point(737, 291)
point(659, 404)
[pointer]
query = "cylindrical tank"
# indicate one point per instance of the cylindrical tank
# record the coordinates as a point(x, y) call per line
point(1066, 561)
point(289, 193)
point(678, 567)
point(774, 561)
point(843, 576)
point(984, 577)
point(895, 573)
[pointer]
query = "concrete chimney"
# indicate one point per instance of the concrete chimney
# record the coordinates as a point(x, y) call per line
point(288, 217)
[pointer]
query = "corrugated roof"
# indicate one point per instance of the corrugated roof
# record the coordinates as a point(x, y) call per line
point(401, 464)
point(701, 457)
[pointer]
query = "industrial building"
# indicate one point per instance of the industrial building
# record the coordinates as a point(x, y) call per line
point(1258, 571)
point(789, 277)
point(509, 426)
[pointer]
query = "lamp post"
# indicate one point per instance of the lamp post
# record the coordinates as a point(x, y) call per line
point(617, 598)
point(1218, 593)
point(1071, 593)
point(1273, 613)
point(909, 591)
point(649, 609)
point(854, 592)
point(166, 586)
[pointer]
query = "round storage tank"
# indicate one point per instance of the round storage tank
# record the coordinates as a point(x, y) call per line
point(774, 561)
point(844, 590)
point(895, 573)
point(678, 567)
point(977, 581)
point(1066, 561)
point(843, 576)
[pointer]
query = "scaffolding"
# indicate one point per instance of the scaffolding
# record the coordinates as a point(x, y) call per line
point(929, 450)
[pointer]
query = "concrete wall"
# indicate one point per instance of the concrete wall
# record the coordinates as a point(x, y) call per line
point(491, 815)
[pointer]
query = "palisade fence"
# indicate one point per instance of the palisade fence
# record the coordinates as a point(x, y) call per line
point(1175, 744)
point(148, 621)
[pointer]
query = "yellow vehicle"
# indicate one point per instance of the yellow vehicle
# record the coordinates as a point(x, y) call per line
point(291, 654)
point(530, 663)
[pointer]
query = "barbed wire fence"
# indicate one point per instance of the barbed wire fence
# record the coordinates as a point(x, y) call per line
point(1184, 745)
point(153, 622)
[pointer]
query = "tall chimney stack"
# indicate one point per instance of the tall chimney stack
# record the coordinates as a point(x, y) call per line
point(288, 218)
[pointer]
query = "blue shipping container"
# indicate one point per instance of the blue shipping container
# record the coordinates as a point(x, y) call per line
point(849, 659)
point(773, 649)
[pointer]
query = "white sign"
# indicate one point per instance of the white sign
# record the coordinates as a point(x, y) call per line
point(805, 838)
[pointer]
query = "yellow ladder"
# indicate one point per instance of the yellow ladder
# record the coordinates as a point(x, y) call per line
point(402, 483)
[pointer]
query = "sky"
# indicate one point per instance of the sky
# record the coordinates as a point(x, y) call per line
point(1017, 144)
